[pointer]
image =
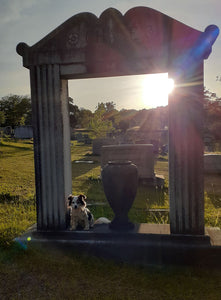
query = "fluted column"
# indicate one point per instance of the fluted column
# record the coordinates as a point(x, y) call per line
point(49, 96)
point(186, 173)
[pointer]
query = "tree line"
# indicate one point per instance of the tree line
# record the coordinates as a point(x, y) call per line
point(15, 110)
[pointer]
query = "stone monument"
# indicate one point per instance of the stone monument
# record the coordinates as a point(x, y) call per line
point(142, 41)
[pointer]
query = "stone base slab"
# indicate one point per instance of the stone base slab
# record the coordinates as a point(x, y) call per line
point(147, 244)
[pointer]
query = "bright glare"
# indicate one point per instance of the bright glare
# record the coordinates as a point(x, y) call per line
point(156, 89)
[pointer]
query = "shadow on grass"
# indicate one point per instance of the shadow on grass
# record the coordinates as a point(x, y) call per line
point(102, 211)
point(94, 191)
point(215, 199)
point(148, 196)
point(81, 168)
point(141, 212)
point(15, 147)
point(213, 188)
point(212, 183)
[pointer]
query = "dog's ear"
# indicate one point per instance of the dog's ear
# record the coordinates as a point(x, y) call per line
point(82, 198)
point(70, 198)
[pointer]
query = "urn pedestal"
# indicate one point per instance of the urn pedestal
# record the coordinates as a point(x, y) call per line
point(120, 182)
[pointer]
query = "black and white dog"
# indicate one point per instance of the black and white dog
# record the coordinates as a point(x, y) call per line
point(80, 215)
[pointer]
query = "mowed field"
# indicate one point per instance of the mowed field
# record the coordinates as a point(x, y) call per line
point(17, 189)
point(36, 273)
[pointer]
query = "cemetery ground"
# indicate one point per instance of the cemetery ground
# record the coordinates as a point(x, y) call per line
point(35, 273)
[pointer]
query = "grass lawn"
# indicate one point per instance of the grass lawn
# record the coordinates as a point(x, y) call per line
point(17, 190)
point(51, 274)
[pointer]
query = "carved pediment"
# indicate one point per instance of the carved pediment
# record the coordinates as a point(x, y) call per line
point(141, 41)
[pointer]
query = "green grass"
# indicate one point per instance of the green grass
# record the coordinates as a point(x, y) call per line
point(86, 179)
point(17, 168)
point(53, 274)
point(17, 203)
point(15, 218)
point(37, 273)
point(17, 190)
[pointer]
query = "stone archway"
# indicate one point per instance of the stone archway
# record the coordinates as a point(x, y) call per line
point(140, 42)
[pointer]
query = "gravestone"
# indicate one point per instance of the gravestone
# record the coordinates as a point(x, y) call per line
point(142, 41)
point(212, 163)
point(23, 132)
point(141, 155)
point(6, 130)
point(99, 143)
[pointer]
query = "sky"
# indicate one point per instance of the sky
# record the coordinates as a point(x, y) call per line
point(30, 20)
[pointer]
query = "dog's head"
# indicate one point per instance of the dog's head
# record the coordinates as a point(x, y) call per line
point(77, 201)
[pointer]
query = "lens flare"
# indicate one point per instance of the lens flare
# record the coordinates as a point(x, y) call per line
point(170, 85)
point(156, 88)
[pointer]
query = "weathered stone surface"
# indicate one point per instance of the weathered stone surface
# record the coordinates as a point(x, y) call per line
point(140, 155)
point(212, 163)
point(186, 159)
point(147, 244)
point(99, 143)
point(23, 132)
point(141, 41)
point(51, 145)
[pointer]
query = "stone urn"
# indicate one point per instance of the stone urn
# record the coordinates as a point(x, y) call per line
point(120, 182)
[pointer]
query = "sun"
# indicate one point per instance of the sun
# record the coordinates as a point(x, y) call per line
point(156, 88)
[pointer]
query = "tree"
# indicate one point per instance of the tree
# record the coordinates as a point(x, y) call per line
point(17, 110)
point(100, 125)
point(2, 118)
point(124, 125)
point(209, 96)
point(109, 106)
point(74, 113)
point(212, 118)
point(85, 116)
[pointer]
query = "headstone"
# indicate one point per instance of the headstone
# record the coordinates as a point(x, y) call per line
point(212, 163)
point(98, 143)
point(142, 41)
point(79, 137)
point(141, 155)
point(87, 139)
point(6, 130)
point(23, 132)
